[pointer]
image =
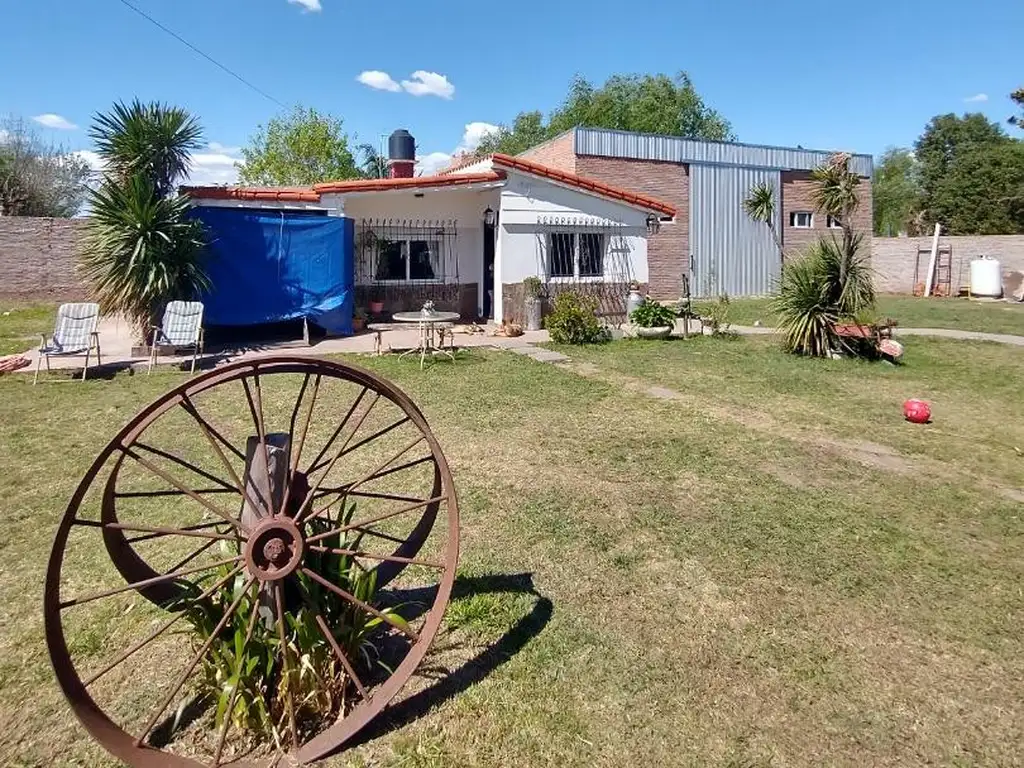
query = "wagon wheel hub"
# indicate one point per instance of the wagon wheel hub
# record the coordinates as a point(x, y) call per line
point(274, 549)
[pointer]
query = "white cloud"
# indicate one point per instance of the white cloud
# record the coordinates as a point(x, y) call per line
point(378, 80)
point(423, 83)
point(3, 135)
point(472, 135)
point(977, 98)
point(309, 5)
point(58, 122)
point(428, 165)
point(216, 146)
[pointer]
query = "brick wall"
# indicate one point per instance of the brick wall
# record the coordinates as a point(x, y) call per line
point(37, 259)
point(798, 195)
point(668, 252)
point(557, 153)
point(893, 259)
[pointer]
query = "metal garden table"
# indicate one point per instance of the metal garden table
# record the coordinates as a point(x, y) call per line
point(428, 323)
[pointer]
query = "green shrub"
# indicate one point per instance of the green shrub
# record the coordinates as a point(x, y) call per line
point(533, 287)
point(573, 320)
point(652, 314)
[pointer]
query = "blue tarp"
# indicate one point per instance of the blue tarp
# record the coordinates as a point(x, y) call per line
point(267, 266)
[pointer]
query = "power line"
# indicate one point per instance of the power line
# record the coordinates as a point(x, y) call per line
point(206, 56)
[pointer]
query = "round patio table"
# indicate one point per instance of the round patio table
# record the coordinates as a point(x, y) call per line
point(427, 322)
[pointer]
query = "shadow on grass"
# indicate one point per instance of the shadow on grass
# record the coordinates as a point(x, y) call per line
point(475, 669)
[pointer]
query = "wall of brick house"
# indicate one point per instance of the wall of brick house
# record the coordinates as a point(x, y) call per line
point(893, 258)
point(557, 153)
point(37, 259)
point(610, 299)
point(798, 195)
point(668, 252)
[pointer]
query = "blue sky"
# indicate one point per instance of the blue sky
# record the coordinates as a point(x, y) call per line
point(789, 72)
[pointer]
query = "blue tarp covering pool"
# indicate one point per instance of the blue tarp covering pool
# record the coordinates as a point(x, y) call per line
point(269, 266)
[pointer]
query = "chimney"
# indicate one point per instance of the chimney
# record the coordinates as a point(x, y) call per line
point(401, 154)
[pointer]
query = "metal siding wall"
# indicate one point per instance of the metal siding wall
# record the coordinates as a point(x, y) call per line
point(672, 149)
point(730, 253)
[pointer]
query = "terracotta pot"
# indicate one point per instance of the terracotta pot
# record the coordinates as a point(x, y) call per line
point(376, 307)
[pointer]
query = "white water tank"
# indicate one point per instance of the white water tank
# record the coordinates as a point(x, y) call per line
point(986, 277)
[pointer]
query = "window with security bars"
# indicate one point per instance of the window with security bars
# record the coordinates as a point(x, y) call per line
point(573, 255)
point(408, 260)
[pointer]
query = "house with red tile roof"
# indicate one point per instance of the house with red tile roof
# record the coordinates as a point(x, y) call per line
point(468, 238)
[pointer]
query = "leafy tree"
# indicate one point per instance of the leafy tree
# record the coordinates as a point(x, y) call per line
point(302, 148)
point(645, 103)
point(896, 192)
point(945, 139)
point(154, 140)
point(374, 165)
point(142, 249)
point(983, 192)
point(38, 179)
point(1018, 98)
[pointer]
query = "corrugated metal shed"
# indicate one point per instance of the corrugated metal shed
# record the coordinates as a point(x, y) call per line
point(730, 253)
point(643, 146)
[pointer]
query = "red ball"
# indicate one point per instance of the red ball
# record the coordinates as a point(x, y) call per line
point(917, 411)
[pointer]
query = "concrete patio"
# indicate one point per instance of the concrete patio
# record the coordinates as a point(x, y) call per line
point(116, 343)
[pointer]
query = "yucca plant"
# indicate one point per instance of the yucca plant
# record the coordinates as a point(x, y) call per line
point(807, 316)
point(141, 250)
point(760, 207)
point(155, 140)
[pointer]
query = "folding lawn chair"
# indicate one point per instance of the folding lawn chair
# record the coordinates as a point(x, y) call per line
point(74, 335)
point(182, 327)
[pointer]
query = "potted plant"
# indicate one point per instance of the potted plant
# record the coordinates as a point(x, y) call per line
point(533, 290)
point(359, 320)
point(376, 302)
point(634, 298)
point(653, 320)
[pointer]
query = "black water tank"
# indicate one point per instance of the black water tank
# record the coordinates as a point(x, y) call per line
point(401, 145)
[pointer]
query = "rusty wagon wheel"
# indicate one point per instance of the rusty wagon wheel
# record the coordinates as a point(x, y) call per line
point(248, 490)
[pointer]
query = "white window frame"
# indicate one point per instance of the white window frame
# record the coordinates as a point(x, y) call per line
point(576, 277)
point(406, 245)
point(832, 222)
point(793, 218)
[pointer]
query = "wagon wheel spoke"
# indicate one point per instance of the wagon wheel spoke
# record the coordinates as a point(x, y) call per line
point(405, 630)
point(254, 397)
point(338, 429)
point(168, 492)
point(183, 463)
point(195, 660)
point(329, 636)
point(366, 477)
point(226, 516)
point(210, 434)
point(285, 657)
point(189, 558)
point(390, 471)
point(297, 453)
point(299, 516)
point(351, 449)
point(253, 615)
point(147, 582)
point(361, 524)
point(383, 558)
point(160, 630)
point(158, 533)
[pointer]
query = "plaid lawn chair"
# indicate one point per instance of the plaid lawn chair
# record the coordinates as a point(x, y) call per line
point(182, 326)
point(74, 335)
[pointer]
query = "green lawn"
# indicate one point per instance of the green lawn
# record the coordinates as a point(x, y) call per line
point(910, 312)
point(738, 558)
point(21, 324)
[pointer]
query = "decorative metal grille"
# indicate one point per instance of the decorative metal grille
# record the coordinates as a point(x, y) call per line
point(398, 257)
point(590, 257)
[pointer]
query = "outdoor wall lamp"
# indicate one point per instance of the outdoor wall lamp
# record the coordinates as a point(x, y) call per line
point(653, 224)
point(489, 217)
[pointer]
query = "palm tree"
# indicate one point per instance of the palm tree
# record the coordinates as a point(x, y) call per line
point(153, 139)
point(142, 249)
point(374, 165)
point(760, 206)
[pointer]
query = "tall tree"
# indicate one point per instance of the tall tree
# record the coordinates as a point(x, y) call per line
point(944, 139)
point(142, 249)
point(983, 192)
point(644, 103)
point(36, 178)
point(298, 149)
point(896, 192)
point(374, 165)
point(1018, 98)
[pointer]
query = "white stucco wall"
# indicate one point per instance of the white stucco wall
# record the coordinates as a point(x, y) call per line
point(328, 209)
point(531, 207)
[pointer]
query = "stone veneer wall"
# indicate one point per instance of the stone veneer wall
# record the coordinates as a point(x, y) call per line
point(611, 299)
point(461, 297)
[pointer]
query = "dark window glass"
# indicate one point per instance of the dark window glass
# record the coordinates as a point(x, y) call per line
point(591, 255)
point(390, 260)
point(561, 254)
point(423, 260)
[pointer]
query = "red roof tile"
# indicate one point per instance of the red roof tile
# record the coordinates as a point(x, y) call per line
point(598, 187)
point(270, 194)
point(417, 182)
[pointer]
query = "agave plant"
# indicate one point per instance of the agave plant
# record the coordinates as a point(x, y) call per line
point(155, 140)
point(141, 250)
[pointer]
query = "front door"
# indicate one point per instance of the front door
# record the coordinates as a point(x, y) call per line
point(488, 277)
